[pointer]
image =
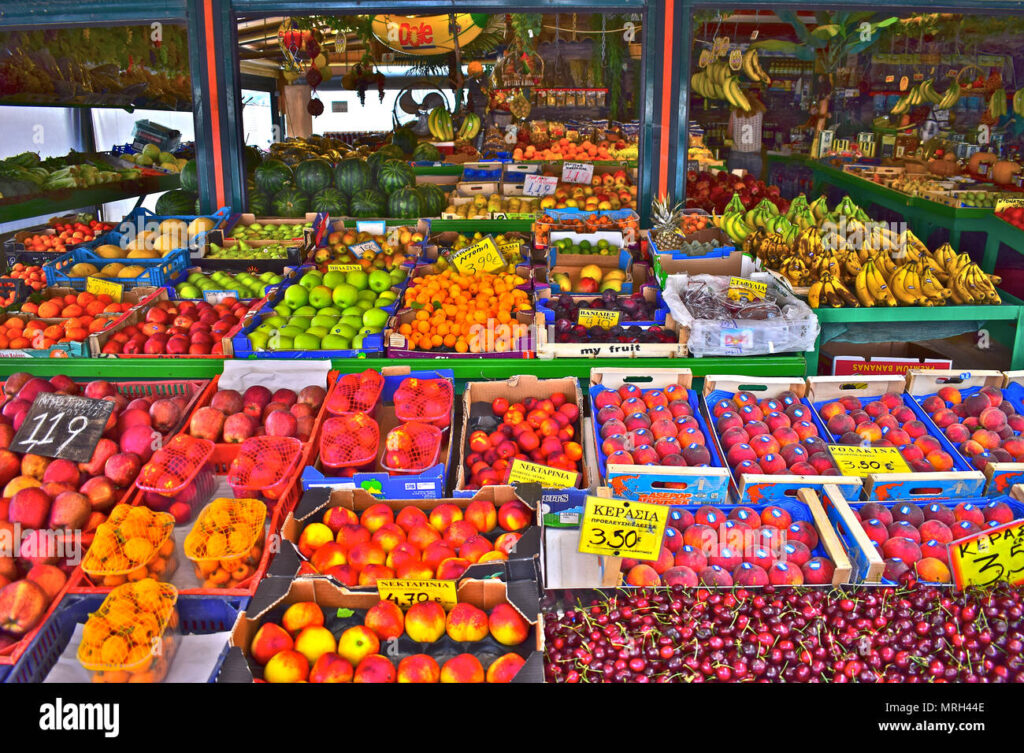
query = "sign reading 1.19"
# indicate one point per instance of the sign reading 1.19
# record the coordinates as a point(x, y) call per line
point(63, 426)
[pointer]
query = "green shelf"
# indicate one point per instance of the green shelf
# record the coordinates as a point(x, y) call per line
point(55, 202)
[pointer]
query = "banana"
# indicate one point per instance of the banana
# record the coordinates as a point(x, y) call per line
point(814, 295)
point(950, 97)
point(877, 285)
point(470, 127)
point(845, 296)
point(930, 286)
point(860, 285)
point(735, 95)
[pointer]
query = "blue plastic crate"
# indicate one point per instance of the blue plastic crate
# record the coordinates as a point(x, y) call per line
point(543, 307)
point(157, 272)
point(198, 615)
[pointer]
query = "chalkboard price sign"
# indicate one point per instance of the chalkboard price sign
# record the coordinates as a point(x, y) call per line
point(63, 426)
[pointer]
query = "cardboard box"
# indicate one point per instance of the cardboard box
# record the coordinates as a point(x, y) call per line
point(671, 485)
point(429, 483)
point(548, 347)
point(847, 359)
point(961, 482)
point(736, 264)
point(753, 488)
point(476, 401)
point(522, 563)
point(275, 594)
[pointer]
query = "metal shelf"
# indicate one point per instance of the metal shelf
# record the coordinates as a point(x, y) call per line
point(54, 202)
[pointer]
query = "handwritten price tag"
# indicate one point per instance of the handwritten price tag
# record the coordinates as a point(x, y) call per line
point(539, 185)
point(522, 472)
point(620, 528)
point(598, 318)
point(578, 172)
point(754, 289)
point(482, 256)
point(99, 286)
point(343, 267)
point(365, 250)
point(63, 426)
point(405, 593)
point(1007, 203)
point(984, 558)
point(865, 461)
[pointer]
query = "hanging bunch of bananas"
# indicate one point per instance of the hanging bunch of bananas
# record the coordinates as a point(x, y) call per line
point(718, 82)
point(1018, 102)
point(949, 98)
point(997, 104)
point(439, 122)
point(828, 291)
point(751, 66)
point(919, 94)
point(470, 127)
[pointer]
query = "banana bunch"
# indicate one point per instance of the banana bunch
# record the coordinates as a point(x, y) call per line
point(831, 292)
point(808, 244)
point(735, 227)
point(796, 271)
point(470, 127)
point(928, 93)
point(735, 95)
point(997, 104)
point(950, 98)
point(911, 289)
point(752, 67)
point(871, 287)
point(439, 122)
point(966, 281)
point(1018, 102)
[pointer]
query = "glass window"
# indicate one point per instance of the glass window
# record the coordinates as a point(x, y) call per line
point(115, 127)
point(49, 131)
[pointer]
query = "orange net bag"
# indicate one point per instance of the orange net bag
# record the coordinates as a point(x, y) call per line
point(426, 400)
point(133, 635)
point(349, 442)
point(226, 542)
point(133, 544)
point(355, 393)
point(264, 466)
point(411, 448)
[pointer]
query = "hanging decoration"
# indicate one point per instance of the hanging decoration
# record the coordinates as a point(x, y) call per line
point(427, 35)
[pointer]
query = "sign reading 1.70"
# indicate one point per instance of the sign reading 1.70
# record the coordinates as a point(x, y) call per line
point(63, 426)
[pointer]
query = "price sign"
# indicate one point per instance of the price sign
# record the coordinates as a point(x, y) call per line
point(984, 558)
point(482, 256)
point(598, 318)
point(216, 296)
point(904, 83)
point(365, 250)
point(621, 528)
point(539, 185)
point(865, 461)
point(343, 267)
point(522, 472)
point(375, 227)
point(1007, 203)
point(63, 426)
point(511, 251)
point(735, 60)
point(578, 172)
point(753, 289)
point(405, 593)
point(99, 286)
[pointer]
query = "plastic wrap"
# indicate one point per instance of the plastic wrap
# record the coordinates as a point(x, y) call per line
point(719, 327)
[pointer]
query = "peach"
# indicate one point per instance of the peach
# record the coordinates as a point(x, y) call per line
point(765, 444)
point(327, 556)
point(425, 622)
point(269, 640)
point(351, 536)
point(940, 460)
point(927, 443)
point(346, 575)
point(313, 537)
point(404, 552)
point(969, 511)
point(418, 668)
point(474, 548)
point(356, 643)
point(22, 606)
point(714, 576)
point(805, 430)
point(514, 516)
point(875, 510)
point(452, 568)
point(375, 516)
point(367, 553)
point(829, 410)
point(734, 436)
point(949, 394)
point(850, 402)
point(336, 517)
point(422, 536)
point(315, 641)
point(331, 667)
point(818, 571)
point(971, 448)
point(388, 536)
point(986, 438)
point(869, 431)
point(876, 530)
point(409, 517)
point(932, 570)
point(459, 532)
point(957, 433)
point(466, 623)
point(462, 669)
point(386, 619)
point(998, 512)
point(785, 574)
point(444, 515)
point(902, 548)
point(739, 453)
point(976, 404)
point(507, 626)
point(286, 667)
point(506, 542)
point(302, 614)
point(29, 508)
point(936, 549)
point(375, 669)
point(505, 668)
point(101, 493)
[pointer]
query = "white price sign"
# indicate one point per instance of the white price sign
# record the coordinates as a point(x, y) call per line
point(539, 185)
point(578, 172)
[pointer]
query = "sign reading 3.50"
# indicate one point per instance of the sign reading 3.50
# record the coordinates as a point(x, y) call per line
point(621, 528)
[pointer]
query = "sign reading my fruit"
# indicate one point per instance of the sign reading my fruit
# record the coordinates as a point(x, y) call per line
point(405, 593)
point(367, 249)
point(63, 426)
point(540, 185)
point(578, 172)
point(865, 461)
point(99, 286)
point(995, 554)
point(523, 472)
point(620, 528)
point(482, 256)
point(598, 318)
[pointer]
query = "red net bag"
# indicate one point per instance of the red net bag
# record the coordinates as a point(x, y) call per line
point(349, 442)
point(264, 466)
point(355, 393)
point(426, 400)
point(178, 472)
point(411, 448)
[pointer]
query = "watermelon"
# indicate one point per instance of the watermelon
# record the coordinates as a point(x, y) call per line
point(272, 175)
point(259, 203)
point(426, 152)
point(405, 203)
point(391, 151)
point(395, 174)
point(352, 175)
point(368, 203)
point(404, 139)
point(290, 202)
point(313, 175)
point(432, 199)
point(330, 200)
point(176, 203)
point(189, 177)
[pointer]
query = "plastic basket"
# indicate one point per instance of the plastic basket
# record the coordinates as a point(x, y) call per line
point(425, 400)
point(133, 635)
point(349, 443)
point(355, 393)
point(13, 292)
point(197, 615)
point(156, 272)
point(226, 542)
point(252, 472)
point(179, 472)
point(411, 448)
point(134, 543)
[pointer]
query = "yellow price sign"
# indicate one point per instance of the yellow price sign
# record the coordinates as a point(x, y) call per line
point(866, 461)
point(598, 318)
point(989, 556)
point(523, 472)
point(99, 286)
point(405, 593)
point(1002, 204)
point(482, 256)
point(512, 251)
point(755, 289)
point(343, 267)
point(621, 528)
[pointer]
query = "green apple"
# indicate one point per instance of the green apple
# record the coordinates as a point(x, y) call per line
point(379, 280)
point(334, 279)
point(291, 331)
point(258, 340)
point(355, 322)
point(345, 330)
point(310, 280)
point(366, 295)
point(357, 342)
point(364, 305)
point(296, 296)
point(306, 341)
point(357, 279)
point(334, 342)
point(375, 318)
point(364, 330)
point(344, 295)
point(283, 309)
point(280, 342)
point(276, 321)
point(188, 291)
point(305, 311)
point(330, 311)
point(195, 277)
point(302, 322)
point(317, 331)
point(320, 297)
point(321, 320)
point(386, 298)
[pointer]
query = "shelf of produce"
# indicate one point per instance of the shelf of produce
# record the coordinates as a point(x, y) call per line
point(465, 369)
point(1010, 310)
point(55, 202)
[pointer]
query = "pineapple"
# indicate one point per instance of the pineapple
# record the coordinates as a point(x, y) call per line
point(666, 224)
